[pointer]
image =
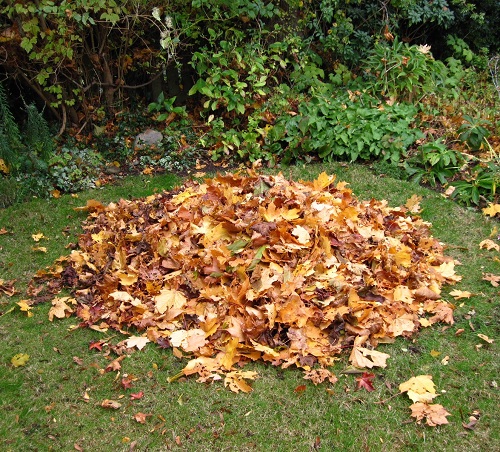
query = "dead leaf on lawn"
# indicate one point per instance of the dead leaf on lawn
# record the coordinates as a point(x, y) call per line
point(111, 404)
point(433, 414)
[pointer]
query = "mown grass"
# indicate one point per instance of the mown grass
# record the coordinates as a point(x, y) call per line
point(44, 405)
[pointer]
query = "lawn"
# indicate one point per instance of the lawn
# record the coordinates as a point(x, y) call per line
point(54, 401)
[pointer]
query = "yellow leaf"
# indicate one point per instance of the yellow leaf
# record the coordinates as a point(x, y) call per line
point(419, 389)
point(127, 279)
point(20, 359)
point(55, 194)
point(457, 294)
point(169, 299)
point(60, 309)
point(413, 204)
point(3, 167)
point(25, 307)
point(363, 357)
point(435, 353)
point(303, 236)
point(41, 249)
point(486, 338)
point(323, 181)
point(38, 237)
point(489, 245)
point(492, 210)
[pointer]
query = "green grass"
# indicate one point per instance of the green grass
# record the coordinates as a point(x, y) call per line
point(43, 405)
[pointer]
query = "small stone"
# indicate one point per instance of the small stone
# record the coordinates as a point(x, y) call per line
point(147, 139)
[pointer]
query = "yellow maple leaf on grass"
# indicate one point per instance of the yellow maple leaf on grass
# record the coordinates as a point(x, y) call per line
point(492, 210)
point(420, 388)
point(236, 380)
point(489, 245)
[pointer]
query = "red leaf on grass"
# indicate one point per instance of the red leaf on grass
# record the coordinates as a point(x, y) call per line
point(137, 395)
point(366, 381)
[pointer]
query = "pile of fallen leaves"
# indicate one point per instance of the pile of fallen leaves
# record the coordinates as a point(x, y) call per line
point(253, 267)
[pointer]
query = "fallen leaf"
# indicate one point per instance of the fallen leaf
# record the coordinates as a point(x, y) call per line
point(492, 209)
point(300, 388)
point(112, 404)
point(486, 338)
point(137, 395)
point(137, 341)
point(366, 381)
point(20, 359)
point(493, 279)
point(141, 417)
point(7, 287)
point(40, 249)
point(60, 309)
point(413, 204)
point(489, 245)
point(25, 307)
point(458, 294)
point(37, 237)
point(419, 389)
point(434, 414)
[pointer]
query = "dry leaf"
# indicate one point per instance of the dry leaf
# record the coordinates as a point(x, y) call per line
point(137, 341)
point(458, 294)
point(489, 245)
point(419, 389)
point(486, 338)
point(433, 414)
point(112, 404)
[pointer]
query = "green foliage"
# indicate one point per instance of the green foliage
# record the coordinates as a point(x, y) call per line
point(478, 185)
point(403, 72)
point(10, 137)
point(165, 107)
point(74, 169)
point(347, 126)
point(434, 163)
point(473, 132)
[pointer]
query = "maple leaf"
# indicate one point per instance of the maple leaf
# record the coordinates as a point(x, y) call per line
point(458, 294)
point(434, 414)
point(60, 309)
point(489, 245)
point(492, 209)
point(137, 341)
point(96, 345)
point(236, 380)
point(137, 396)
point(493, 279)
point(141, 417)
point(413, 204)
point(420, 388)
point(126, 383)
point(362, 357)
point(366, 381)
point(25, 307)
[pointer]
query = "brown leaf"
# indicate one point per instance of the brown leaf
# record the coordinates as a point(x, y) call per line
point(434, 414)
point(111, 404)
